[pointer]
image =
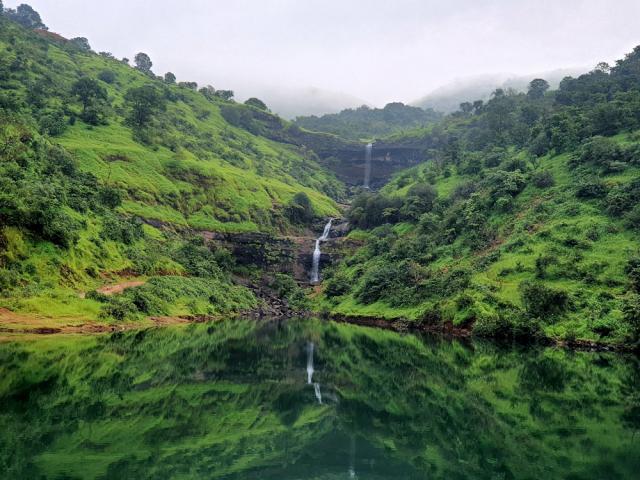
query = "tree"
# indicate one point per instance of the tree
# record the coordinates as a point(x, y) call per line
point(107, 76)
point(466, 107)
point(257, 103)
point(143, 103)
point(208, 92)
point(225, 94)
point(90, 93)
point(189, 85)
point(169, 78)
point(143, 63)
point(300, 209)
point(26, 16)
point(537, 88)
point(81, 43)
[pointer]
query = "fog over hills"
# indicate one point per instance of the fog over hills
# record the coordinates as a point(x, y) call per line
point(447, 98)
point(291, 102)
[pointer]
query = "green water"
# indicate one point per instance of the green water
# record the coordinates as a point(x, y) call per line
point(231, 401)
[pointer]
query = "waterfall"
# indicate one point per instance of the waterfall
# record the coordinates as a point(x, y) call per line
point(367, 164)
point(315, 266)
point(310, 371)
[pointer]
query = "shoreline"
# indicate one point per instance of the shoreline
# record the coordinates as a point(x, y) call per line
point(398, 325)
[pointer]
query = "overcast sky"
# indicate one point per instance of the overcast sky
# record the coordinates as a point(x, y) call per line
point(378, 50)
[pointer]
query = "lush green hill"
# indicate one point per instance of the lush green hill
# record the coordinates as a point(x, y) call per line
point(523, 220)
point(109, 171)
point(368, 123)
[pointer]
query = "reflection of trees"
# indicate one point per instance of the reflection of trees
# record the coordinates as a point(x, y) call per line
point(231, 400)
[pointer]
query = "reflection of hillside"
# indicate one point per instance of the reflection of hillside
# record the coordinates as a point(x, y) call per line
point(231, 401)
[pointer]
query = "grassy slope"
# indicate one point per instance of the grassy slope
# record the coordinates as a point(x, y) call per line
point(543, 221)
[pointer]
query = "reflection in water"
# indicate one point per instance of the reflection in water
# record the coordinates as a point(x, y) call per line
point(227, 401)
point(310, 372)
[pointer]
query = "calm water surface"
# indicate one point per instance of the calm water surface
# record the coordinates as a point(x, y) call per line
point(308, 399)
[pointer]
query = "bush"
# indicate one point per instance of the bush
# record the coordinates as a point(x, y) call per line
point(623, 198)
point(300, 210)
point(541, 301)
point(380, 281)
point(122, 229)
point(631, 312)
point(543, 179)
point(107, 76)
point(197, 259)
point(52, 123)
point(337, 285)
point(633, 218)
point(591, 189)
point(118, 307)
point(633, 272)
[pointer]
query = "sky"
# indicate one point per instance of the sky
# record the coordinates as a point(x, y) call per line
point(376, 50)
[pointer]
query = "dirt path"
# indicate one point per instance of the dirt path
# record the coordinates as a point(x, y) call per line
point(119, 287)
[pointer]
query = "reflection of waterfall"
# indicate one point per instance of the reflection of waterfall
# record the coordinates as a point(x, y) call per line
point(316, 390)
point(352, 457)
point(310, 363)
point(315, 265)
point(367, 164)
point(310, 371)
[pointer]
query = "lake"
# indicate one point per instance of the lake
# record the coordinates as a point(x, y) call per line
point(310, 399)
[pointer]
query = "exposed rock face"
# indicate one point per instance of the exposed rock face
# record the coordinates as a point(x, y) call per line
point(291, 255)
point(386, 159)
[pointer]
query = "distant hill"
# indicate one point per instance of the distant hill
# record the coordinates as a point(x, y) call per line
point(293, 102)
point(365, 122)
point(448, 98)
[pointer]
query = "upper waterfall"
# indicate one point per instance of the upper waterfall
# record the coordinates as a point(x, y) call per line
point(367, 164)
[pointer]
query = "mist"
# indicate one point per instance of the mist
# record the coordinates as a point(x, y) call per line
point(370, 51)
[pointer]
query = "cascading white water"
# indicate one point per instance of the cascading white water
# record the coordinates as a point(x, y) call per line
point(367, 164)
point(315, 265)
point(310, 371)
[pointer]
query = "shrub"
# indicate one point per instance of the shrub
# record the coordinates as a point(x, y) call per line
point(300, 209)
point(623, 198)
point(118, 307)
point(633, 218)
point(380, 281)
point(541, 301)
point(543, 179)
point(197, 259)
point(633, 271)
point(631, 312)
point(52, 123)
point(107, 76)
point(337, 285)
point(591, 189)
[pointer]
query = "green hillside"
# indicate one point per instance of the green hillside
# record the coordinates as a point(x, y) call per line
point(108, 171)
point(522, 221)
point(368, 123)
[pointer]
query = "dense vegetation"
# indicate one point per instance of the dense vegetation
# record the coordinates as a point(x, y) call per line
point(367, 123)
point(523, 220)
